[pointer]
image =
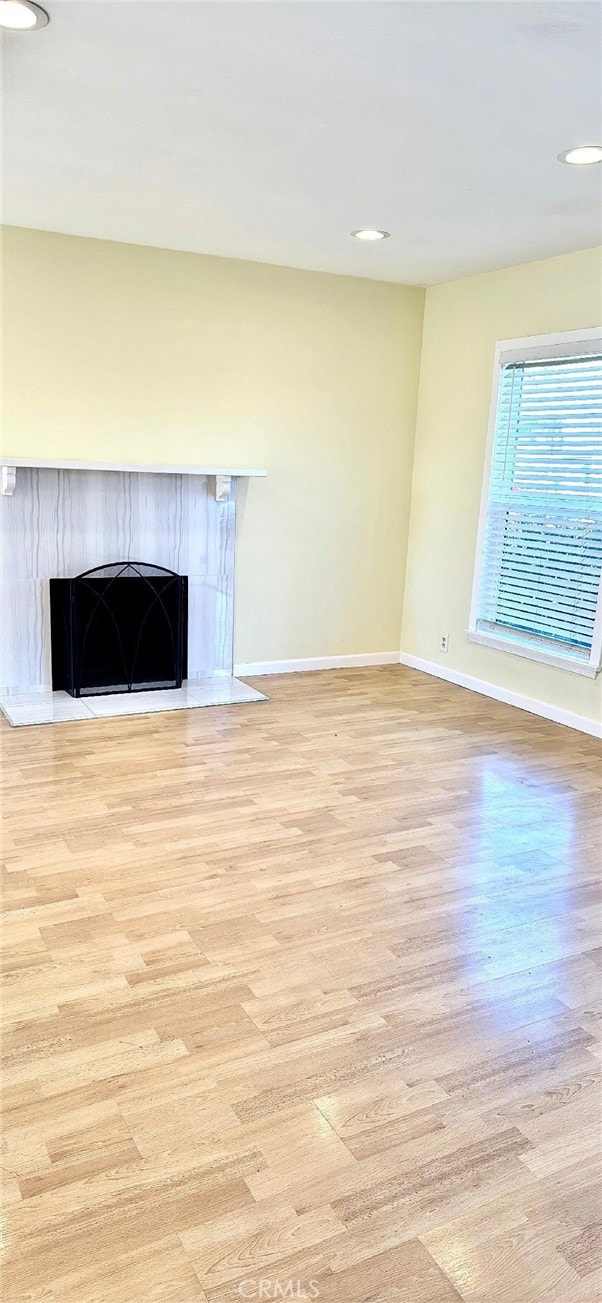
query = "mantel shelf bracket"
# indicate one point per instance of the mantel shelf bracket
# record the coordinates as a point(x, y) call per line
point(221, 487)
point(9, 479)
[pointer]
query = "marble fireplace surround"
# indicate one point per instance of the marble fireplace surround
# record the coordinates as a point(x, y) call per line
point(60, 518)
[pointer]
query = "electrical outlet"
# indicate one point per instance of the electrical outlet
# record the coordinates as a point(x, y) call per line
point(444, 642)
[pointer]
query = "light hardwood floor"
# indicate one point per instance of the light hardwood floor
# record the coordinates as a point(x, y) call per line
point(303, 991)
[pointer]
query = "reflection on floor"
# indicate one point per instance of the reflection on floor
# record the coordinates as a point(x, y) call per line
point(303, 993)
point(61, 708)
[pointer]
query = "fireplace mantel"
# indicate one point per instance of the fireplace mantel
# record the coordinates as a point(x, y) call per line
point(222, 476)
point(66, 517)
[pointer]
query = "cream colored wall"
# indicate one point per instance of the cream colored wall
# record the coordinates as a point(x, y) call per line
point(119, 352)
point(462, 322)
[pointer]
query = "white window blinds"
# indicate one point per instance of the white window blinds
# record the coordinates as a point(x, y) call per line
point(541, 563)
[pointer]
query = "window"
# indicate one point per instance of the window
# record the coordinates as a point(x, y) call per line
point(538, 579)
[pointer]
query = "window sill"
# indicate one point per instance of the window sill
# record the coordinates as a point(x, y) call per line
point(516, 648)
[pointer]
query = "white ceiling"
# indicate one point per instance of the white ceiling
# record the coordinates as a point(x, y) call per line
point(269, 131)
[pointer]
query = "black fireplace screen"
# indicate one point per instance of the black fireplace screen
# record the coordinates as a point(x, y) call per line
point(119, 628)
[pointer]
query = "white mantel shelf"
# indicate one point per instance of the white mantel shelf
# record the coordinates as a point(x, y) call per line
point(222, 475)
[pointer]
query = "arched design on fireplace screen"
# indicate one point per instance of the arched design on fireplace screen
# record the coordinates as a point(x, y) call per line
point(120, 627)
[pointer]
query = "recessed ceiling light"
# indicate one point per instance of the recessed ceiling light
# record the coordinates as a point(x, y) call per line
point(22, 16)
point(582, 155)
point(370, 235)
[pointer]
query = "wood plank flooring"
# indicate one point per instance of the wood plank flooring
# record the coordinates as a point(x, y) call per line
point(302, 999)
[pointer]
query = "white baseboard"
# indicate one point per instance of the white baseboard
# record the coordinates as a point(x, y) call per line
point(518, 699)
point(317, 663)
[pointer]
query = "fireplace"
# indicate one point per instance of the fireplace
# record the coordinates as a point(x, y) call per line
point(121, 627)
point(62, 521)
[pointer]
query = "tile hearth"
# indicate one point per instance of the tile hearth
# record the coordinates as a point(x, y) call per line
point(60, 708)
